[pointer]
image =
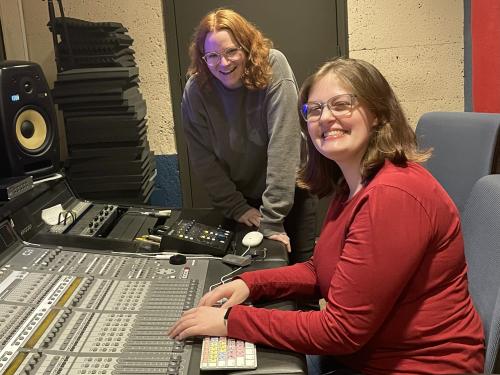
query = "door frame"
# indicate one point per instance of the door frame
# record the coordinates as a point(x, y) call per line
point(177, 80)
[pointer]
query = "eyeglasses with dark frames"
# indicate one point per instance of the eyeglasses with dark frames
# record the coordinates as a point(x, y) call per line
point(214, 58)
point(339, 106)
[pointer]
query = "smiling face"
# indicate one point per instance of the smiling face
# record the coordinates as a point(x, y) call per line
point(227, 71)
point(344, 139)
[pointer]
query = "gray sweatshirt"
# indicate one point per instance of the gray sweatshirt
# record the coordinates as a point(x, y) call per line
point(246, 143)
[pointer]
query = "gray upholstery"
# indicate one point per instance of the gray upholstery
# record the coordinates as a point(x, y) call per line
point(481, 229)
point(465, 149)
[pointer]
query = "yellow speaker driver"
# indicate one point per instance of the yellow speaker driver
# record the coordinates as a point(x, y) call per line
point(31, 130)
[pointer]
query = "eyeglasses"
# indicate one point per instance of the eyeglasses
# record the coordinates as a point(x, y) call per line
point(213, 58)
point(339, 106)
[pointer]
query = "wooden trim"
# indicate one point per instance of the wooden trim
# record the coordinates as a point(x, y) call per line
point(14, 32)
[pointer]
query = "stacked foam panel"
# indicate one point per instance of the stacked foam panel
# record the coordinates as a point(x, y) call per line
point(84, 44)
point(104, 113)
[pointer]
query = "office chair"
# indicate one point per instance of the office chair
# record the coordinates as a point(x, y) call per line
point(466, 147)
point(481, 230)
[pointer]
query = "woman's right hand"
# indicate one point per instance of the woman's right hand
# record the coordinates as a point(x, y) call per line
point(250, 218)
point(235, 291)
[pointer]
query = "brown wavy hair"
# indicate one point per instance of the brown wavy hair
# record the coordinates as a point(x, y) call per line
point(256, 47)
point(392, 138)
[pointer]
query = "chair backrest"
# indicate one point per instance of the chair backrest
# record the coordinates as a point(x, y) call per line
point(466, 147)
point(481, 230)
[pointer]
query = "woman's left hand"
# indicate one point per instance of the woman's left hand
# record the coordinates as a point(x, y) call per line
point(203, 320)
point(282, 237)
point(250, 218)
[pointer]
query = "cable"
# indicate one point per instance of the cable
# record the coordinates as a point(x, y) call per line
point(26, 243)
point(64, 215)
point(159, 213)
point(55, 176)
point(166, 255)
point(190, 257)
point(246, 251)
point(223, 279)
point(141, 239)
point(158, 230)
point(152, 237)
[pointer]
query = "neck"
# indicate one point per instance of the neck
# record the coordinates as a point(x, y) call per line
point(353, 178)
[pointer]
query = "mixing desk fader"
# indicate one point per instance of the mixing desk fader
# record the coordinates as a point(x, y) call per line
point(64, 311)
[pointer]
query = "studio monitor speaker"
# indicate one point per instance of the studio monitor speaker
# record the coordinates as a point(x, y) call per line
point(29, 142)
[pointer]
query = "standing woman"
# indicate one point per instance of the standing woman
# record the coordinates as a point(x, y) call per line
point(242, 130)
point(389, 261)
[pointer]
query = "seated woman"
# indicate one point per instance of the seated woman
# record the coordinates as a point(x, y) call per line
point(390, 259)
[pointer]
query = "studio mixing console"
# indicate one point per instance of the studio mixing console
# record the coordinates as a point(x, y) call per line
point(65, 311)
point(81, 297)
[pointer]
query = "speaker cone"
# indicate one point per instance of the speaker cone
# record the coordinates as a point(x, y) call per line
point(31, 130)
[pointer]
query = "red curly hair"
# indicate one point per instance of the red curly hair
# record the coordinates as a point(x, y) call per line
point(256, 47)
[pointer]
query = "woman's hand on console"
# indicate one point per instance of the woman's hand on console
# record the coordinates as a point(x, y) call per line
point(283, 238)
point(202, 320)
point(233, 292)
point(250, 218)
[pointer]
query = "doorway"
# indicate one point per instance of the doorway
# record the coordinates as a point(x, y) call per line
point(308, 33)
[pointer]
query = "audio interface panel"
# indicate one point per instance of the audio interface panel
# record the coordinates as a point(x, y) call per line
point(97, 220)
point(87, 219)
point(105, 227)
point(81, 223)
point(66, 311)
point(190, 236)
point(109, 221)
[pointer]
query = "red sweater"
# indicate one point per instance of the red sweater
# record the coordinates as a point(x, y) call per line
point(390, 265)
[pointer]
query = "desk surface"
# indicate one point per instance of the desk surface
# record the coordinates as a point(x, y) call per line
point(270, 361)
